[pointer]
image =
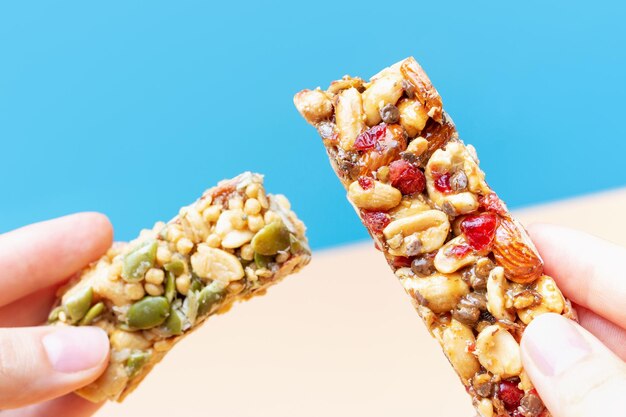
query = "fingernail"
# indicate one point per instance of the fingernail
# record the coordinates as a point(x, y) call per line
point(554, 344)
point(73, 349)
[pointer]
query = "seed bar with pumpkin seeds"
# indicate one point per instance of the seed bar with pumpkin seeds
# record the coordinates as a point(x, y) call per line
point(472, 272)
point(230, 245)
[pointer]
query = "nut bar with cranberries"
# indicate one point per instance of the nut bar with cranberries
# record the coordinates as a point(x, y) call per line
point(230, 245)
point(472, 272)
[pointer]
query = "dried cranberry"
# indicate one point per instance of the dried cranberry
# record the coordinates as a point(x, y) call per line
point(367, 140)
point(479, 229)
point(442, 182)
point(366, 182)
point(460, 250)
point(406, 177)
point(510, 394)
point(401, 262)
point(375, 221)
point(491, 202)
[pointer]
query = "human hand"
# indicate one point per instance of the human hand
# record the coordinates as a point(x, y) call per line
point(39, 366)
point(580, 372)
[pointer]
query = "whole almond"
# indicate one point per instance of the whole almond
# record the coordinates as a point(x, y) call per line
point(515, 252)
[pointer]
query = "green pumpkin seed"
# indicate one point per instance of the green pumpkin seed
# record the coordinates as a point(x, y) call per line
point(78, 304)
point(176, 266)
point(196, 284)
point(137, 262)
point(207, 298)
point(148, 312)
point(170, 287)
point(192, 306)
point(271, 239)
point(54, 314)
point(298, 246)
point(92, 314)
point(262, 261)
point(174, 323)
point(135, 362)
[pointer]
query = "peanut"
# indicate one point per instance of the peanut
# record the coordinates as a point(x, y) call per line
point(379, 197)
point(456, 339)
point(440, 293)
point(413, 116)
point(499, 352)
point(447, 262)
point(496, 295)
point(430, 227)
point(382, 91)
point(552, 300)
point(349, 117)
point(313, 105)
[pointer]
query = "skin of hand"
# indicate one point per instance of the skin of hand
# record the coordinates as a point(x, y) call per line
point(40, 366)
point(579, 370)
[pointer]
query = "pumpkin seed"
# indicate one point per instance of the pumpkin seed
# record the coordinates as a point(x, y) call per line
point(148, 312)
point(176, 266)
point(54, 314)
point(192, 306)
point(135, 362)
point(207, 298)
point(78, 304)
point(262, 261)
point(298, 246)
point(271, 239)
point(137, 262)
point(174, 323)
point(92, 314)
point(170, 287)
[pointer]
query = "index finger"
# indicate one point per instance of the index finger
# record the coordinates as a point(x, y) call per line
point(589, 270)
point(43, 254)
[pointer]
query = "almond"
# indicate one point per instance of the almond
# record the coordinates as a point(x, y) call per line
point(515, 252)
point(422, 88)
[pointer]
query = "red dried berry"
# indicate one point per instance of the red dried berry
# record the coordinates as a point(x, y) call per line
point(510, 394)
point(366, 182)
point(479, 229)
point(459, 251)
point(442, 182)
point(406, 177)
point(491, 202)
point(401, 262)
point(375, 221)
point(368, 139)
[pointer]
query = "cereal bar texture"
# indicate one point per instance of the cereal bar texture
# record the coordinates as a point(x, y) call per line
point(230, 245)
point(470, 269)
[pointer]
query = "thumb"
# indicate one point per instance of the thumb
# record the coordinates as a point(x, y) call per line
point(40, 363)
point(574, 373)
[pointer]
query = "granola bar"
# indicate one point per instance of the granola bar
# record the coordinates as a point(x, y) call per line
point(230, 245)
point(472, 272)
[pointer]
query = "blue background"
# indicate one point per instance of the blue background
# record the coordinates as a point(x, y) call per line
point(134, 108)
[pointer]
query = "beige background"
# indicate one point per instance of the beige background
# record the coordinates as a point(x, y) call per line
point(339, 339)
